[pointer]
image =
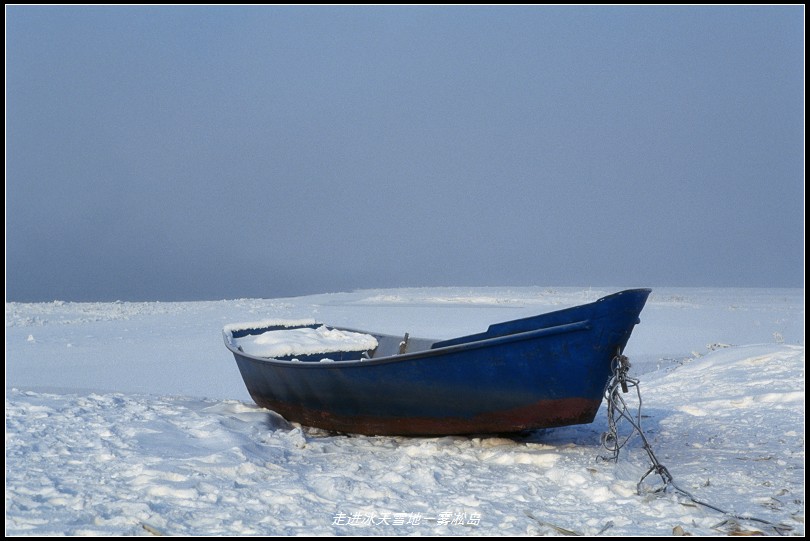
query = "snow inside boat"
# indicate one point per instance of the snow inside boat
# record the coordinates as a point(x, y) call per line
point(542, 371)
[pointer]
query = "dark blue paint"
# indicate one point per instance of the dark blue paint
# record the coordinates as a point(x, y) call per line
point(545, 370)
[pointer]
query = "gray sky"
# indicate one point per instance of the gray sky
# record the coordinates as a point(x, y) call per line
point(179, 153)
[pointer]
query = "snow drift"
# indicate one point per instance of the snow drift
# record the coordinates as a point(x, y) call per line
point(131, 418)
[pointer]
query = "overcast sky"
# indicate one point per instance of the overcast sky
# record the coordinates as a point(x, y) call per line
point(176, 153)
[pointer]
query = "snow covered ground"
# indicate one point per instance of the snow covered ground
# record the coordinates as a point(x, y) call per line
point(131, 418)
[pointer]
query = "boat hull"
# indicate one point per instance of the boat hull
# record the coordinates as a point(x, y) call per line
point(539, 372)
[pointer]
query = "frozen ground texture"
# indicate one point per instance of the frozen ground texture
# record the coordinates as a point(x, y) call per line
point(131, 418)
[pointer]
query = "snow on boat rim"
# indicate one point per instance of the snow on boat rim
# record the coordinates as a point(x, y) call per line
point(268, 323)
point(287, 342)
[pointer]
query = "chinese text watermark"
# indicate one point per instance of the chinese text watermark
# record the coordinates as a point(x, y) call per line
point(446, 518)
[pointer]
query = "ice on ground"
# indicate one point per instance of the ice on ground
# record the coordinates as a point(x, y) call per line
point(143, 426)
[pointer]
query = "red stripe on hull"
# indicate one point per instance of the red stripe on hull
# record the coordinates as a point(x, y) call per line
point(542, 414)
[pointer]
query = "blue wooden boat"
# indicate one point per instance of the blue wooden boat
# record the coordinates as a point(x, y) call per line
point(543, 371)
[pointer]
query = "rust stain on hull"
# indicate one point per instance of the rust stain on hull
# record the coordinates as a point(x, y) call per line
point(541, 414)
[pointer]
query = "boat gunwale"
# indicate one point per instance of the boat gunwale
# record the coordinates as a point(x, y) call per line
point(495, 341)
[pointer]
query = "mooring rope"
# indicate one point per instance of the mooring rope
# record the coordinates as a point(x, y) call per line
point(618, 411)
